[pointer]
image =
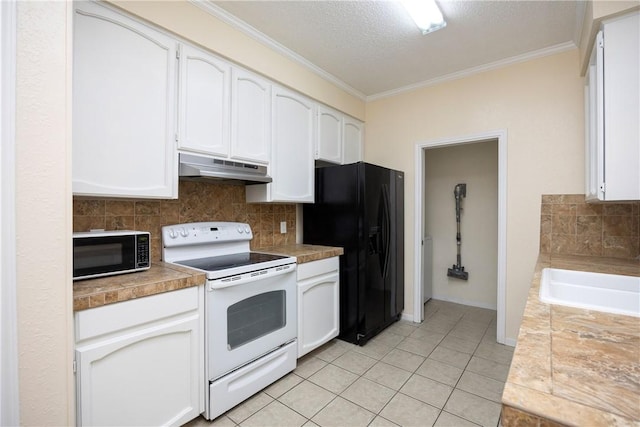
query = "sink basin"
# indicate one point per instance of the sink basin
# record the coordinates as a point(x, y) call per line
point(610, 293)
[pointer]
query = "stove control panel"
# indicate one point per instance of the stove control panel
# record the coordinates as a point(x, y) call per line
point(205, 232)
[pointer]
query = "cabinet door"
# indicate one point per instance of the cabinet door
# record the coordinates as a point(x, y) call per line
point(622, 108)
point(318, 304)
point(594, 124)
point(292, 159)
point(251, 117)
point(329, 141)
point(204, 103)
point(143, 377)
point(353, 131)
point(123, 106)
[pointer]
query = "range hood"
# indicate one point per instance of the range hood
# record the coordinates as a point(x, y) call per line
point(207, 169)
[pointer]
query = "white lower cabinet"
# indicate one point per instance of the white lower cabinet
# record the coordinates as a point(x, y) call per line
point(318, 303)
point(141, 362)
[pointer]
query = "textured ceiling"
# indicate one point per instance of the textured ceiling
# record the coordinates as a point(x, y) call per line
point(374, 47)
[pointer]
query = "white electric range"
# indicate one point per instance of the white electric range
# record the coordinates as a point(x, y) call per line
point(250, 309)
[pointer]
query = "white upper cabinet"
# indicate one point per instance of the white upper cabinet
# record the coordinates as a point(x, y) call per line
point(250, 118)
point(612, 95)
point(339, 137)
point(352, 131)
point(225, 111)
point(329, 142)
point(204, 120)
point(291, 167)
point(123, 106)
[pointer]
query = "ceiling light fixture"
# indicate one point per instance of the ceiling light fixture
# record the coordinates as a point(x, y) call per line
point(426, 14)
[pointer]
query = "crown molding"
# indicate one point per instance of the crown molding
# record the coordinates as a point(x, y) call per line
point(562, 47)
point(247, 29)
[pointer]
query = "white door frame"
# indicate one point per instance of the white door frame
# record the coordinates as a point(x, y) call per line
point(9, 393)
point(501, 136)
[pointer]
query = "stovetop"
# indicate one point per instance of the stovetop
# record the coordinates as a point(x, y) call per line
point(220, 249)
point(225, 262)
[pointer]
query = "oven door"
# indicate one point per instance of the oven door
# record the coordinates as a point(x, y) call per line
point(249, 319)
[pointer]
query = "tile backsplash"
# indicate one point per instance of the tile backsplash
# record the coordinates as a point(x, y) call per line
point(198, 201)
point(570, 226)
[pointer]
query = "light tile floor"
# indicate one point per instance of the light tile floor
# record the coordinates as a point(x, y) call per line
point(447, 371)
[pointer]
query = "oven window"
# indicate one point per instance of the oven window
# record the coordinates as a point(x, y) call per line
point(255, 317)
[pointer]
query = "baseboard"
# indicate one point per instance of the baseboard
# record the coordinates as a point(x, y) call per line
point(407, 317)
point(510, 342)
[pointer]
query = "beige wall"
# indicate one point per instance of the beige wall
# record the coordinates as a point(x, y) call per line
point(540, 105)
point(198, 26)
point(477, 166)
point(43, 214)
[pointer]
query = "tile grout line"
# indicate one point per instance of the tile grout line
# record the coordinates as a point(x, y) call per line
point(455, 387)
point(379, 359)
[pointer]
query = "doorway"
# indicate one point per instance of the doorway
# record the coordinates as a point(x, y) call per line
point(420, 215)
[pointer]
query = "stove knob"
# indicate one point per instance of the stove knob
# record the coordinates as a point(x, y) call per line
point(247, 229)
point(239, 229)
point(172, 233)
point(184, 232)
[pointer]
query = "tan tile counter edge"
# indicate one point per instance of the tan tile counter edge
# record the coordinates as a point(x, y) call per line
point(303, 252)
point(161, 277)
point(540, 387)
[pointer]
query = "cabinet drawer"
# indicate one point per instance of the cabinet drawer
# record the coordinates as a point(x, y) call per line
point(315, 268)
point(115, 317)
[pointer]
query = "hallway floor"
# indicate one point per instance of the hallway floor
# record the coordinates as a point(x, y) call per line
point(447, 371)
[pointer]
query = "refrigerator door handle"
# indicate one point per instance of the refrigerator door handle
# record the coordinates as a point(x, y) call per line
point(386, 232)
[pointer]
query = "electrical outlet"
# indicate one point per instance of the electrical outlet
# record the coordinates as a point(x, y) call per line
point(283, 227)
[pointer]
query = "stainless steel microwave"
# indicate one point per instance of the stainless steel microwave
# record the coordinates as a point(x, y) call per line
point(105, 253)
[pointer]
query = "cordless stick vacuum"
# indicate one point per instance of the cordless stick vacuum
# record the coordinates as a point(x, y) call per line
point(457, 270)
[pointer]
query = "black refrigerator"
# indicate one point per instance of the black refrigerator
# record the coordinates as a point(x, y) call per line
point(360, 207)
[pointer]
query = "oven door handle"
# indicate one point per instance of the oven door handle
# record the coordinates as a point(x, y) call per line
point(254, 276)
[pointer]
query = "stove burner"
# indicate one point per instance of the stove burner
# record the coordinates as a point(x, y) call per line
point(223, 262)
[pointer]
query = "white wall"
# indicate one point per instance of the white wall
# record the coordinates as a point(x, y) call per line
point(43, 213)
point(477, 166)
point(540, 105)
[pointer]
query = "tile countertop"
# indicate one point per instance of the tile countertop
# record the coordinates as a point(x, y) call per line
point(164, 277)
point(574, 366)
point(161, 277)
point(304, 253)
